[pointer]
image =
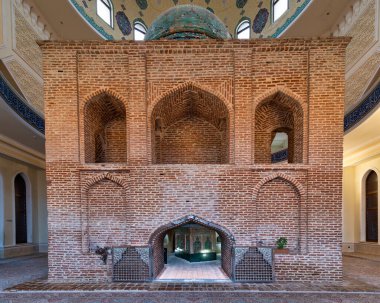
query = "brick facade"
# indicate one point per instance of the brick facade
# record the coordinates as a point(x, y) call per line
point(139, 135)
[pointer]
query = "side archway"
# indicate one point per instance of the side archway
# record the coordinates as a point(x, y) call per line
point(23, 216)
point(278, 112)
point(370, 206)
point(105, 134)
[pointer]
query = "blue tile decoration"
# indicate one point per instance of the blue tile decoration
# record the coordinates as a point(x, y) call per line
point(241, 3)
point(279, 156)
point(187, 22)
point(20, 106)
point(90, 20)
point(288, 21)
point(260, 20)
point(142, 4)
point(123, 23)
point(363, 109)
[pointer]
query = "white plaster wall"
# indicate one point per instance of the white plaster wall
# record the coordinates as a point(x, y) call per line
point(354, 200)
point(35, 180)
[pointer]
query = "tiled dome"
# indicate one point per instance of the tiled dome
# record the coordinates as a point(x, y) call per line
point(187, 22)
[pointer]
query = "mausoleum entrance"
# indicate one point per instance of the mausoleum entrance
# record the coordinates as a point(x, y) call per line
point(192, 249)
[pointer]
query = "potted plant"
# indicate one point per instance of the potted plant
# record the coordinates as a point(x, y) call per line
point(281, 243)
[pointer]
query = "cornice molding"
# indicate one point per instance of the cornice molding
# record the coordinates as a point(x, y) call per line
point(15, 150)
point(350, 18)
point(26, 8)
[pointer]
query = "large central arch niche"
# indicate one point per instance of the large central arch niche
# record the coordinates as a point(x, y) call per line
point(156, 241)
point(190, 126)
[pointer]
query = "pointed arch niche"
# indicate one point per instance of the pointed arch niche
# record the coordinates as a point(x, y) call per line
point(22, 209)
point(370, 207)
point(190, 126)
point(105, 129)
point(276, 113)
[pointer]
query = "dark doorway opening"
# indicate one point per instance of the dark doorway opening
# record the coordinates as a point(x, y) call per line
point(20, 210)
point(371, 207)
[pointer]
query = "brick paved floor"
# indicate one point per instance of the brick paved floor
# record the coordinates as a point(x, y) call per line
point(361, 284)
point(178, 268)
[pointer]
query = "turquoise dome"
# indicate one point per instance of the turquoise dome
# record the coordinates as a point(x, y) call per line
point(183, 22)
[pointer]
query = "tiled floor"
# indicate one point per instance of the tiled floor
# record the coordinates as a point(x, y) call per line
point(180, 269)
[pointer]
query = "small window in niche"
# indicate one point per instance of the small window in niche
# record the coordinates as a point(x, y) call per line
point(243, 30)
point(104, 10)
point(279, 7)
point(139, 31)
point(279, 147)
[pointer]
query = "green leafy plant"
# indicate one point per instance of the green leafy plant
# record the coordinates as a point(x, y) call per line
point(281, 242)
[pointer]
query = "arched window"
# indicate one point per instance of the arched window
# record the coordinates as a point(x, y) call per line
point(279, 7)
point(371, 194)
point(279, 146)
point(243, 30)
point(20, 210)
point(104, 9)
point(139, 31)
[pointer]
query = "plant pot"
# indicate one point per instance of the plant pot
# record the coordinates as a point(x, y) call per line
point(281, 251)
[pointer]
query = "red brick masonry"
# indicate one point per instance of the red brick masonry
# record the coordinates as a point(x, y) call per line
point(139, 134)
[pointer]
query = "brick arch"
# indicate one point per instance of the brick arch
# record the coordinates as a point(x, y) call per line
point(157, 237)
point(195, 126)
point(105, 130)
point(189, 85)
point(292, 181)
point(107, 91)
point(85, 203)
point(105, 176)
point(275, 90)
point(278, 110)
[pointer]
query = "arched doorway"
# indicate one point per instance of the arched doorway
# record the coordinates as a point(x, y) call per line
point(192, 248)
point(371, 205)
point(20, 210)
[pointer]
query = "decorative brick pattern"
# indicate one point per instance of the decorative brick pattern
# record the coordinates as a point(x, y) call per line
point(142, 197)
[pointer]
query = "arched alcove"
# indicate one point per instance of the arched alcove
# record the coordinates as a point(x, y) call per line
point(105, 129)
point(190, 126)
point(278, 205)
point(278, 113)
point(371, 207)
point(21, 210)
point(106, 213)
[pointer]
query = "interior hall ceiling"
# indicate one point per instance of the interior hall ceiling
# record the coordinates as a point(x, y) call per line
point(319, 19)
point(231, 12)
point(65, 20)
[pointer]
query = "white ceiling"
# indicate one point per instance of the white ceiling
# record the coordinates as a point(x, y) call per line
point(318, 19)
point(66, 22)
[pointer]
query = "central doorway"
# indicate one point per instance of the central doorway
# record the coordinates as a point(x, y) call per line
point(192, 249)
point(192, 252)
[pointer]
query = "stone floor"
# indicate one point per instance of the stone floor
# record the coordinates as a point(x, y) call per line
point(361, 284)
point(180, 269)
point(18, 270)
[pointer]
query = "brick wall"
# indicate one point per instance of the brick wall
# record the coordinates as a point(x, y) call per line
point(226, 83)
